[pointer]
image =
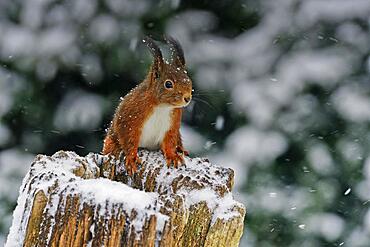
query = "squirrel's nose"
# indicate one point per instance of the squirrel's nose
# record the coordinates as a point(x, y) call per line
point(187, 99)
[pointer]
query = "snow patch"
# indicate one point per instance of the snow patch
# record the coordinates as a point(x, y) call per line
point(223, 207)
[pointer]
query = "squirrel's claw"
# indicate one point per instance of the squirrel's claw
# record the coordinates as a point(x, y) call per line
point(174, 159)
point(131, 162)
point(182, 151)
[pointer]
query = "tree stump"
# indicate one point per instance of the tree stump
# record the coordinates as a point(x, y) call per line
point(68, 200)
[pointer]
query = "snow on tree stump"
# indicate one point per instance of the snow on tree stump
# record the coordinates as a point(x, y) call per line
point(68, 200)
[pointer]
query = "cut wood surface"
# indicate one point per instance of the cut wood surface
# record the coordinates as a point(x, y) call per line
point(68, 200)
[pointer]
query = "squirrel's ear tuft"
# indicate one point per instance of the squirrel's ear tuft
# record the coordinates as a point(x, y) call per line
point(156, 53)
point(177, 54)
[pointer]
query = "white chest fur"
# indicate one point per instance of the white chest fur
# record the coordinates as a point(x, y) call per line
point(156, 127)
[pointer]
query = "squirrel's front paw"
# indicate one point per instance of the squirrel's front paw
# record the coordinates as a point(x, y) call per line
point(175, 159)
point(131, 162)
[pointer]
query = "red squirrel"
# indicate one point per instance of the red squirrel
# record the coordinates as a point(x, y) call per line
point(149, 116)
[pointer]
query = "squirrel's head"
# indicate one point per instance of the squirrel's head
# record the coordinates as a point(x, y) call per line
point(169, 80)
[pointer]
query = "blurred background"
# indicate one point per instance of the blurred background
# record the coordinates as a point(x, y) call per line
point(281, 96)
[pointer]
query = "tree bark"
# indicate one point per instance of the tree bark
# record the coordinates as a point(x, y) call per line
point(68, 200)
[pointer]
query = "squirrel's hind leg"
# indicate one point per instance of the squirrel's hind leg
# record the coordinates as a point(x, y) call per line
point(129, 143)
point(111, 146)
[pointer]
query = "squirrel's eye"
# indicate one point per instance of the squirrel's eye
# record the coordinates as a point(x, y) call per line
point(168, 84)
